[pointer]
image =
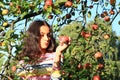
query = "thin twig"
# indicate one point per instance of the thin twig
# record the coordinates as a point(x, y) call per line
point(114, 18)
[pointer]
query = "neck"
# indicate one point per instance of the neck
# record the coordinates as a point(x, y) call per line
point(43, 51)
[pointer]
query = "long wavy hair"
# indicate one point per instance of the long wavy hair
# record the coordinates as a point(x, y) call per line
point(31, 47)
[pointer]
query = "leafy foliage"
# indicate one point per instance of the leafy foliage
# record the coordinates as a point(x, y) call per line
point(80, 61)
point(15, 16)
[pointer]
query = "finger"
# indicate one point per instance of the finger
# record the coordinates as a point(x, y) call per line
point(69, 40)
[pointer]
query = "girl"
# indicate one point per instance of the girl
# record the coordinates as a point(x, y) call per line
point(44, 56)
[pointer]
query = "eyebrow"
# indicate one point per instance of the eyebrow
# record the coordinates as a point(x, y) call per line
point(44, 33)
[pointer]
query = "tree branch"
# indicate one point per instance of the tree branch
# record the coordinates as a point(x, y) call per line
point(114, 18)
point(28, 16)
point(25, 17)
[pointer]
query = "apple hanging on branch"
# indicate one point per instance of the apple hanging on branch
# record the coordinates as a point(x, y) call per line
point(112, 12)
point(68, 4)
point(100, 66)
point(80, 66)
point(98, 55)
point(106, 36)
point(5, 24)
point(47, 4)
point(87, 66)
point(96, 77)
point(5, 11)
point(94, 26)
point(107, 18)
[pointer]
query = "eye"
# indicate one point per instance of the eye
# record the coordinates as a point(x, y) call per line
point(41, 34)
point(49, 35)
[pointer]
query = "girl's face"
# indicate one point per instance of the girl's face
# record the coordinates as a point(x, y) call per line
point(44, 37)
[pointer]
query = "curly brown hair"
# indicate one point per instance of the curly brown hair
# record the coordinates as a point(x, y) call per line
point(31, 47)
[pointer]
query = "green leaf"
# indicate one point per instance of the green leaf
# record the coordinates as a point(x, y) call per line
point(89, 14)
point(8, 33)
point(2, 60)
point(23, 14)
point(60, 1)
point(49, 9)
point(1, 55)
point(1, 5)
point(106, 4)
point(119, 22)
point(57, 11)
point(2, 28)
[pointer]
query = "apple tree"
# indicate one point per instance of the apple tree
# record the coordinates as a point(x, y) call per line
point(15, 15)
point(92, 53)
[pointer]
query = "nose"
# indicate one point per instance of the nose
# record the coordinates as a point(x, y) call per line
point(46, 37)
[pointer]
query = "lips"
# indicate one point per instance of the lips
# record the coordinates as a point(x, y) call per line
point(46, 43)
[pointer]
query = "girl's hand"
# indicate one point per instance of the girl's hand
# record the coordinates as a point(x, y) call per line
point(64, 42)
point(61, 47)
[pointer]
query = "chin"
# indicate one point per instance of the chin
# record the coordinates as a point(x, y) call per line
point(45, 47)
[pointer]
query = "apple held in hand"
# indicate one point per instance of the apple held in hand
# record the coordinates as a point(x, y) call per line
point(64, 39)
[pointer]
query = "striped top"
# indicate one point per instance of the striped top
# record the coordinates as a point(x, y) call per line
point(41, 70)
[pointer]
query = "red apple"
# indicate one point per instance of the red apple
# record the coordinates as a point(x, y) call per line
point(68, 4)
point(98, 55)
point(105, 13)
point(96, 77)
point(13, 68)
point(112, 12)
point(102, 15)
point(87, 66)
point(64, 39)
point(106, 36)
point(107, 18)
point(50, 16)
point(94, 27)
point(100, 66)
point(80, 66)
point(48, 2)
point(68, 16)
point(112, 2)
point(82, 33)
point(87, 35)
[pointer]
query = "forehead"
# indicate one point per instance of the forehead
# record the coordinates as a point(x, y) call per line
point(44, 29)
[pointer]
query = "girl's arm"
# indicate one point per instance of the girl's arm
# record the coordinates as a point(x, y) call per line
point(57, 58)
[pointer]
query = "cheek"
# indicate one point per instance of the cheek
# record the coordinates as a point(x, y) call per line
point(40, 41)
point(43, 44)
